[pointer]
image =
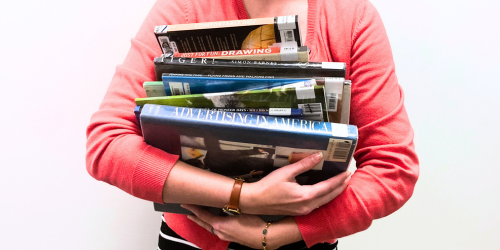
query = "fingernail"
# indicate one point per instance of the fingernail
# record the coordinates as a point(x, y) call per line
point(182, 205)
point(190, 217)
point(318, 156)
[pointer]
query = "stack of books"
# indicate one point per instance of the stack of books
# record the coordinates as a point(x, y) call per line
point(240, 98)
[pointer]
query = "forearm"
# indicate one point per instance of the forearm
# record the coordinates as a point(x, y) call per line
point(282, 233)
point(190, 185)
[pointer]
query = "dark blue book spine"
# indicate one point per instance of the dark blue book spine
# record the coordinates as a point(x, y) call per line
point(137, 112)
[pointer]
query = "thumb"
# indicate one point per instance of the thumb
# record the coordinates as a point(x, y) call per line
point(303, 165)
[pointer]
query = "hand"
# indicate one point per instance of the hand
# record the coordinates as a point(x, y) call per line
point(245, 230)
point(279, 193)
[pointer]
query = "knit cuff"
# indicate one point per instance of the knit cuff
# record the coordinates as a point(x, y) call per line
point(150, 173)
point(313, 227)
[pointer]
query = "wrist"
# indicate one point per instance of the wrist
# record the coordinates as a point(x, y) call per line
point(282, 233)
point(248, 199)
point(233, 207)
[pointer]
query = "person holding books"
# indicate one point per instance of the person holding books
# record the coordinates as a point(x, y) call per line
point(348, 31)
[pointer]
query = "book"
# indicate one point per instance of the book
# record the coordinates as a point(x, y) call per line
point(334, 89)
point(346, 103)
point(245, 145)
point(282, 53)
point(186, 85)
point(154, 89)
point(257, 33)
point(207, 66)
point(309, 99)
point(334, 95)
point(277, 112)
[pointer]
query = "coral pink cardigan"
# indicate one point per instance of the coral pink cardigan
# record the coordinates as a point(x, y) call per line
point(349, 31)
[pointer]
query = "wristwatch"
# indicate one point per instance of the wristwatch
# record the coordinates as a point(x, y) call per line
point(234, 201)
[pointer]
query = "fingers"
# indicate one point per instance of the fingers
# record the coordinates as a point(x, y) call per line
point(327, 186)
point(202, 217)
point(322, 200)
point(304, 165)
point(200, 222)
point(200, 213)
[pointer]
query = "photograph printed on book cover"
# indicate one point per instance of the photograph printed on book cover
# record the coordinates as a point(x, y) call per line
point(247, 161)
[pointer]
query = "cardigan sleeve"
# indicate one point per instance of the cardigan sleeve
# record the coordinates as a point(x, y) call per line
point(116, 152)
point(387, 164)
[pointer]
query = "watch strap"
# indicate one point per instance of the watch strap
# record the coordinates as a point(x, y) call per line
point(234, 199)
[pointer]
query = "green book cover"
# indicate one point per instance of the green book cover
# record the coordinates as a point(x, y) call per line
point(310, 99)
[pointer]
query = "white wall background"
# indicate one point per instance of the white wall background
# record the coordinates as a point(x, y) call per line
point(57, 58)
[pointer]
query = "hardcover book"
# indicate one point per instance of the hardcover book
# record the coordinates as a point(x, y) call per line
point(258, 33)
point(186, 85)
point(277, 112)
point(207, 66)
point(293, 53)
point(154, 89)
point(346, 103)
point(309, 99)
point(246, 146)
point(334, 91)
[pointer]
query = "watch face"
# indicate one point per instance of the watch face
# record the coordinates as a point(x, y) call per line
point(231, 211)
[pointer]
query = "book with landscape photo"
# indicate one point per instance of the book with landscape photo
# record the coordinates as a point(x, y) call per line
point(334, 89)
point(309, 99)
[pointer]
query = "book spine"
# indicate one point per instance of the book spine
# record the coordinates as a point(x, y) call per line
point(243, 52)
point(186, 85)
point(224, 76)
point(293, 56)
point(282, 53)
point(309, 99)
point(154, 89)
point(137, 113)
point(206, 66)
point(221, 120)
point(346, 103)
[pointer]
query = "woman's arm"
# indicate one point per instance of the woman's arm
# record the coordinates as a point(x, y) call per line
point(116, 151)
point(385, 156)
point(247, 229)
point(276, 194)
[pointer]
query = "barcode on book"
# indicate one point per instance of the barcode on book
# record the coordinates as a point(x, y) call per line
point(165, 44)
point(338, 150)
point(174, 47)
point(312, 111)
point(176, 88)
point(287, 36)
point(333, 100)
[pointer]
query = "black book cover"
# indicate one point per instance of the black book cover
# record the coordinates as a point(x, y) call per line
point(207, 66)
